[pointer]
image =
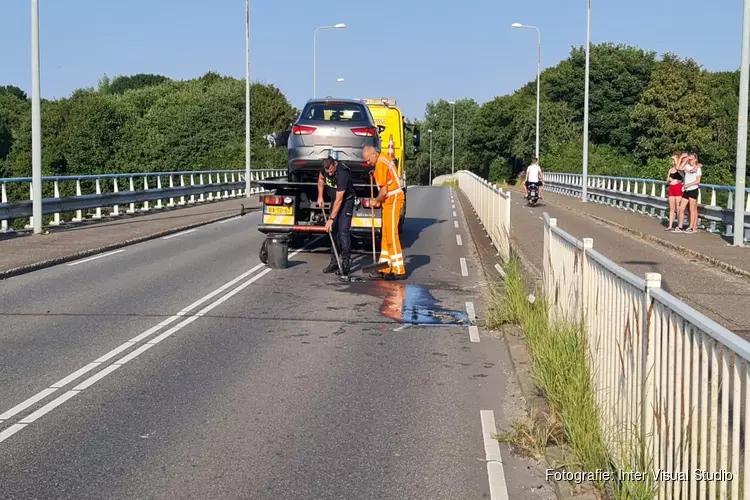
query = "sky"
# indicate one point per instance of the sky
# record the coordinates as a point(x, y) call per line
point(413, 51)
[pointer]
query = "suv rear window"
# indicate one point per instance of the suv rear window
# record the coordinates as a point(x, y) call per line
point(335, 111)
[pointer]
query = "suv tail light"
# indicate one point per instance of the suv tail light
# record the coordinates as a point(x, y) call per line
point(302, 130)
point(365, 131)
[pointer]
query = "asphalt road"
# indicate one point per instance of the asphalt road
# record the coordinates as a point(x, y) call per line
point(184, 368)
point(720, 296)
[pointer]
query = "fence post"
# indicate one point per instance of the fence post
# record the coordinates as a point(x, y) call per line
point(648, 361)
point(588, 244)
point(548, 225)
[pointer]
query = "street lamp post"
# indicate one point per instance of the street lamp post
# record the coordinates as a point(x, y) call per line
point(247, 99)
point(739, 190)
point(453, 147)
point(585, 179)
point(315, 61)
point(36, 122)
point(430, 132)
point(538, 73)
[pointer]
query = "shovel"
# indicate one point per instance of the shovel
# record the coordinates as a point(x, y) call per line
point(333, 245)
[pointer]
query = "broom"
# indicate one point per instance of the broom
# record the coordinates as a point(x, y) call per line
point(375, 266)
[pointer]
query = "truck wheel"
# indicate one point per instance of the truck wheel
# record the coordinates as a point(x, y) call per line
point(263, 254)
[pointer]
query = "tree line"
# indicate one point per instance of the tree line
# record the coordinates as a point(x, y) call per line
point(144, 123)
point(642, 109)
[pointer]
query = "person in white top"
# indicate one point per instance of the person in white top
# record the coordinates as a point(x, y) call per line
point(690, 190)
point(534, 176)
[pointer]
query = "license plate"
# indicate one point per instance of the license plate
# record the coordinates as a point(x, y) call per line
point(279, 210)
point(327, 152)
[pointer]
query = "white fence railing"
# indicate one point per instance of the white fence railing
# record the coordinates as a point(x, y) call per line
point(648, 197)
point(113, 190)
point(491, 204)
point(664, 374)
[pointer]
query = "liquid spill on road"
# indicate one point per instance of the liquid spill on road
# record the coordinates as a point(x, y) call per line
point(408, 303)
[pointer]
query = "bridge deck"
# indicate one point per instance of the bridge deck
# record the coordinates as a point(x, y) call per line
point(720, 295)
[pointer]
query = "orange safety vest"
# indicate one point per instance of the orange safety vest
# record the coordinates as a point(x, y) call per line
point(386, 175)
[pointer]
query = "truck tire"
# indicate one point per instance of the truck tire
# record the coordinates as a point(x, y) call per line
point(263, 254)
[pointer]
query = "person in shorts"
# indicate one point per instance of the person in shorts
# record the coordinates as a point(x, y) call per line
point(674, 186)
point(690, 190)
point(534, 177)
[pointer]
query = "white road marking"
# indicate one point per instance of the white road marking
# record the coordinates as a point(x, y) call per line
point(540, 217)
point(464, 269)
point(473, 329)
point(48, 407)
point(453, 206)
point(500, 270)
point(95, 257)
point(458, 239)
point(179, 234)
point(229, 220)
point(455, 224)
point(78, 373)
point(495, 471)
point(454, 213)
point(31, 401)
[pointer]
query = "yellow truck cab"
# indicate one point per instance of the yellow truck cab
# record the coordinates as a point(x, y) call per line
point(386, 113)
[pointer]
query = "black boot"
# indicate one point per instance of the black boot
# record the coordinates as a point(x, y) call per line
point(345, 265)
point(333, 266)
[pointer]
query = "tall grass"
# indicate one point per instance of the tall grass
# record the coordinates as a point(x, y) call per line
point(560, 368)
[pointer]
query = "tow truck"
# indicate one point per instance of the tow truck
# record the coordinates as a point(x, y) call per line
point(289, 204)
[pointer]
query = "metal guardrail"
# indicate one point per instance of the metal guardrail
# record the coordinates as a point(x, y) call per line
point(188, 186)
point(490, 203)
point(640, 195)
point(664, 374)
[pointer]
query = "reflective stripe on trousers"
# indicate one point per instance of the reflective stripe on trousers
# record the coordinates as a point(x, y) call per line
point(391, 244)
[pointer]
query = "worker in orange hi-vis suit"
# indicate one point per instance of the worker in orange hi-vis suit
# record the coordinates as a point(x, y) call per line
point(391, 199)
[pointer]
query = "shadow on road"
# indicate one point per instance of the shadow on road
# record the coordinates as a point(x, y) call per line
point(413, 227)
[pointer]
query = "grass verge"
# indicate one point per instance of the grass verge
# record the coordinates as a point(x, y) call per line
point(560, 369)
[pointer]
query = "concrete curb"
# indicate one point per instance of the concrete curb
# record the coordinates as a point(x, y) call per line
point(114, 246)
point(685, 252)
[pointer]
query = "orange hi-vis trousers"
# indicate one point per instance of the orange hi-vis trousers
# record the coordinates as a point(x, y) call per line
point(390, 247)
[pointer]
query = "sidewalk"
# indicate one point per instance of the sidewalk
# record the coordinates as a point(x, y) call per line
point(722, 296)
point(713, 248)
point(28, 252)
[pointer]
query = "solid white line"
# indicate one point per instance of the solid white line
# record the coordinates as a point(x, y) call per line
point(455, 224)
point(179, 234)
point(495, 471)
point(10, 431)
point(48, 407)
point(500, 270)
point(458, 239)
point(46, 392)
point(95, 257)
point(229, 220)
point(464, 269)
point(31, 401)
point(454, 213)
point(92, 379)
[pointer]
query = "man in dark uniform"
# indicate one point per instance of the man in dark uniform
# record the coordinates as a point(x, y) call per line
point(338, 182)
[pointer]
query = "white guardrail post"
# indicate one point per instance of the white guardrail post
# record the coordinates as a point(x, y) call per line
point(69, 195)
point(668, 381)
point(491, 205)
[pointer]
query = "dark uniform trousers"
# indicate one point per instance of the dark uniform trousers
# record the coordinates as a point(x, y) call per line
point(341, 229)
